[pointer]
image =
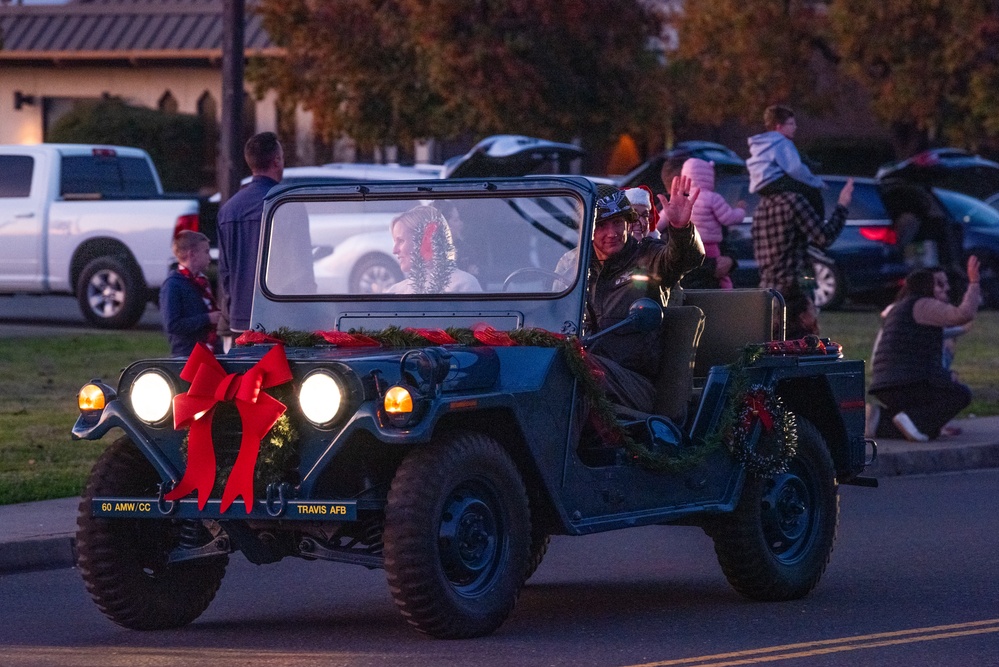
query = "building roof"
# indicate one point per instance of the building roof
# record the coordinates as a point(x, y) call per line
point(123, 30)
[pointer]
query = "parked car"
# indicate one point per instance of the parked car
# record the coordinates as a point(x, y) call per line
point(865, 262)
point(948, 168)
point(980, 237)
point(649, 173)
point(91, 221)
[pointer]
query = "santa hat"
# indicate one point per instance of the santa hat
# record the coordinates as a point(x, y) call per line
point(642, 196)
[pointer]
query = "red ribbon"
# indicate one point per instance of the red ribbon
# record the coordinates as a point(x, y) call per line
point(255, 338)
point(487, 335)
point(344, 339)
point(210, 385)
point(427, 243)
point(758, 408)
point(435, 336)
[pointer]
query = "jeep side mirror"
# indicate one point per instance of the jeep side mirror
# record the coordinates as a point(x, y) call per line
point(645, 315)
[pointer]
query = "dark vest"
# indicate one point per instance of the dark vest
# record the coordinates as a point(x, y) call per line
point(909, 352)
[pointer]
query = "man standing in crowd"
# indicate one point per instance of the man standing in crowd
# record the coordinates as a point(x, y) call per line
point(239, 228)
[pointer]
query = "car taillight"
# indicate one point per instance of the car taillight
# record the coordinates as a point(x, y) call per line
point(881, 234)
point(188, 222)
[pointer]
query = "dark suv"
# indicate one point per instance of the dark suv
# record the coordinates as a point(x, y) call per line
point(948, 168)
point(444, 428)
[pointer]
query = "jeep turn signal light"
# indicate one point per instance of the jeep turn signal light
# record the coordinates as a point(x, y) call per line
point(91, 397)
point(398, 401)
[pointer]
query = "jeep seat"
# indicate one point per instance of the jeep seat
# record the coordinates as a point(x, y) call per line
point(733, 319)
point(682, 328)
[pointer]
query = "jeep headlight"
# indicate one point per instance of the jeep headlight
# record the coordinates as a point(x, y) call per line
point(151, 396)
point(320, 398)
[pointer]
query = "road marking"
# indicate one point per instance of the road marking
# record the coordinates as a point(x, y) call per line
point(838, 645)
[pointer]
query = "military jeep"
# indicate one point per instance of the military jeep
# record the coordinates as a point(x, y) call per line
point(443, 419)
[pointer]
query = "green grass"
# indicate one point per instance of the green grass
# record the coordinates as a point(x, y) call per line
point(40, 378)
point(976, 361)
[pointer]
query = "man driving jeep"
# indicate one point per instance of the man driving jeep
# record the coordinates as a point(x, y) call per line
point(622, 271)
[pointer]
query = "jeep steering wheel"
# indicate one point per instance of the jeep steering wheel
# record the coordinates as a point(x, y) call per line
point(531, 270)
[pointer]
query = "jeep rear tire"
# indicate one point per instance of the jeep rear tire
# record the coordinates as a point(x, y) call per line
point(777, 543)
point(111, 293)
point(124, 561)
point(457, 536)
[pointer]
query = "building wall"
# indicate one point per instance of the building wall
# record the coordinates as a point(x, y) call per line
point(140, 86)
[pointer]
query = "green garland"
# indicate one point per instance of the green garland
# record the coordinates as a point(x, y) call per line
point(768, 456)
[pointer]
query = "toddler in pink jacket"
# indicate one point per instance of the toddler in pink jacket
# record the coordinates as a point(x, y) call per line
point(711, 211)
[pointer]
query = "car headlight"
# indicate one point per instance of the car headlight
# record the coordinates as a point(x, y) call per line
point(320, 398)
point(151, 396)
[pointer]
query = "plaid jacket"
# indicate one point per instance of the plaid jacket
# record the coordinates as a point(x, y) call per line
point(784, 225)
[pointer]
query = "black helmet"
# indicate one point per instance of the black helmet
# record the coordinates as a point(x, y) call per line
point(614, 205)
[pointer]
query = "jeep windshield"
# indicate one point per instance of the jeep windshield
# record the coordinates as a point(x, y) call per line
point(456, 246)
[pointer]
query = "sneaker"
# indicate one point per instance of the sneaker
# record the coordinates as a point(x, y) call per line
point(908, 429)
point(873, 415)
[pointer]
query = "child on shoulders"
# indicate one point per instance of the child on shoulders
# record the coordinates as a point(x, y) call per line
point(775, 165)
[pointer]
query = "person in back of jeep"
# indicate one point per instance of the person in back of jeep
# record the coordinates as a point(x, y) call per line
point(239, 228)
point(622, 271)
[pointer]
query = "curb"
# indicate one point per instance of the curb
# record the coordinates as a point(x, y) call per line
point(909, 459)
point(37, 553)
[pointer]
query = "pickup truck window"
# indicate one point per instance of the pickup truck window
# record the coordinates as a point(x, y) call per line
point(501, 245)
point(15, 175)
point(107, 177)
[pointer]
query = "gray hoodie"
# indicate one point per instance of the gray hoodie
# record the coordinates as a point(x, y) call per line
point(772, 155)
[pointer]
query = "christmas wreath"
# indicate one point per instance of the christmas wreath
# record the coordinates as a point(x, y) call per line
point(762, 412)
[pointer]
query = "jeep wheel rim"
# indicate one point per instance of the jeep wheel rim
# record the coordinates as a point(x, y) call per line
point(106, 293)
point(788, 514)
point(469, 538)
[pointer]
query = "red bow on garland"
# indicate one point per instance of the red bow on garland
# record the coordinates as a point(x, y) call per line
point(757, 407)
point(210, 385)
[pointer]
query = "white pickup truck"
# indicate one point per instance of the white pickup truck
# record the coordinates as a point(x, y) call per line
point(90, 221)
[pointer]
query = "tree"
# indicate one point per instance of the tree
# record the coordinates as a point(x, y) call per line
point(174, 141)
point(931, 66)
point(390, 71)
point(736, 57)
point(573, 68)
point(353, 65)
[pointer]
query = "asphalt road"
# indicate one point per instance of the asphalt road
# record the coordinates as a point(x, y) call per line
point(913, 581)
point(22, 315)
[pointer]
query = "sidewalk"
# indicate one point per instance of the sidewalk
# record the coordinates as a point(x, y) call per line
point(37, 536)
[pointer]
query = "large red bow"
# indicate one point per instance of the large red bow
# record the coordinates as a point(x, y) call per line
point(210, 384)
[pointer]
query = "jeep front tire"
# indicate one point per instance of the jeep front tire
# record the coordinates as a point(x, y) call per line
point(457, 536)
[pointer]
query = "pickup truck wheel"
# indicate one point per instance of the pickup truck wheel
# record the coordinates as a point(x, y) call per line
point(124, 561)
point(111, 293)
point(374, 274)
point(457, 536)
point(776, 544)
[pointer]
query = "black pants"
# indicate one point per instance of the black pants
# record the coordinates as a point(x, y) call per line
point(626, 387)
point(929, 407)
